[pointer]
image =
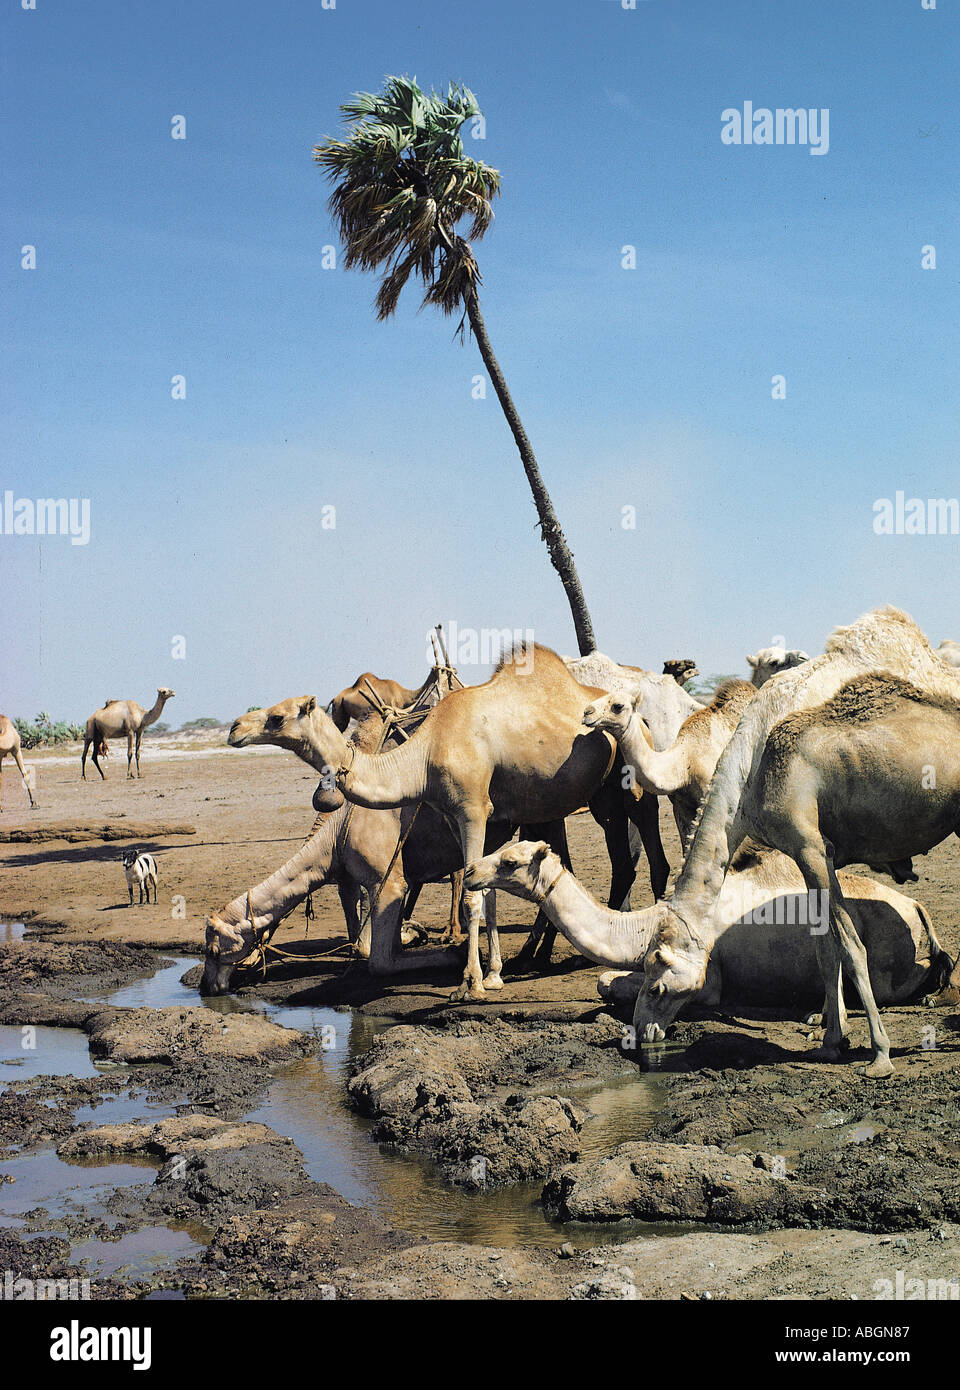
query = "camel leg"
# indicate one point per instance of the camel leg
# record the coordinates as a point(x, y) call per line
point(645, 815)
point(838, 951)
point(137, 752)
point(349, 894)
point(96, 762)
point(607, 809)
point(853, 957)
point(83, 759)
point(453, 933)
point(23, 777)
point(1, 781)
point(387, 956)
point(410, 901)
point(538, 947)
point(472, 828)
point(492, 979)
point(129, 755)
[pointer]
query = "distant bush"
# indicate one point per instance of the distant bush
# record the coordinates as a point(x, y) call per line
point(205, 723)
point(158, 728)
point(44, 732)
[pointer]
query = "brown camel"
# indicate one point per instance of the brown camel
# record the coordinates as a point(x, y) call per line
point(353, 704)
point(113, 720)
point(10, 744)
point(513, 750)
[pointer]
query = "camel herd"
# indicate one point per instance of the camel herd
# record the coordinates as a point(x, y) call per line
point(850, 757)
point(776, 784)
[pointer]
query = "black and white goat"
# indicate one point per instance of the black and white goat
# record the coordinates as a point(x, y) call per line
point(140, 869)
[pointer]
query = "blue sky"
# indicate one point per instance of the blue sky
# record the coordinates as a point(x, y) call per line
point(648, 387)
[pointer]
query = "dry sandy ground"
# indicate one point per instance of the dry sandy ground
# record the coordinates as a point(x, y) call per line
point(250, 810)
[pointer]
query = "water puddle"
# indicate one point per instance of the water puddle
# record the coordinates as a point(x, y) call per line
point(10, 932)
point(305, 1101)
point(28, 1052)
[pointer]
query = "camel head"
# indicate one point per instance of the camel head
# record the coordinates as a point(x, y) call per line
point(770, 661)
point(226, 946)
point(612, 712)
point(525, 869)
point(674, 969)
point(295, 724)
point(682, 669)
point(165, 693)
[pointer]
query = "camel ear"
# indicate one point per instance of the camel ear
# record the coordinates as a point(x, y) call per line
point(664, 956)
point(638, 699)
point(752, 662)
point(309, 705)
point(541, 850)
point(798, 655)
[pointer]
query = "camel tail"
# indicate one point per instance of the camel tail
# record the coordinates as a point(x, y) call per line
point(102, 749)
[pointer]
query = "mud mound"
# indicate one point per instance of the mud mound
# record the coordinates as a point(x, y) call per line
point(453, 1094)
point(673, 1182)
point(180, 1036)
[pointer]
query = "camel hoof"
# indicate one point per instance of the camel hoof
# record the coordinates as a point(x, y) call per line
point(493, 981)
point(467, 991)
point(879, 1068)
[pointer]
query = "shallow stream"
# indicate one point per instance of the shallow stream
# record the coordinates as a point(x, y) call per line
point(306, 1101)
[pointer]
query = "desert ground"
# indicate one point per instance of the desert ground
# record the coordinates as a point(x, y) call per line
point(873, 1168)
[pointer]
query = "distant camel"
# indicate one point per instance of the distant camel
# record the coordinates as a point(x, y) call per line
point(682, 669)
point(10, 743)
point(114, 719)
point(770, 661)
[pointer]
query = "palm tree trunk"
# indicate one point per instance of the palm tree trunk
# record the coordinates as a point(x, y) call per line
point(561, 556)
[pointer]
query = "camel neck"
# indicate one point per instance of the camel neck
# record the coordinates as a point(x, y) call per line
point(659, 773)
point(313, 865)
point(397, 777)
point(602, 935)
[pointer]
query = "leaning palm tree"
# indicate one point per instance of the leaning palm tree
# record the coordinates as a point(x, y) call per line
point(402, 185)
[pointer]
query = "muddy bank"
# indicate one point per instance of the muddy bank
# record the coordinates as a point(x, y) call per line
point(66, 970)
point(489, 1101)
point(209, 1169)
point(763, 1138)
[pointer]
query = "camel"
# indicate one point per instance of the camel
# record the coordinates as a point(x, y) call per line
point(513, 750)
point(764, 950)
point(681, 669)
point(10, 745)
point(354, 848)
point(770, 661)
point(352, 704)
point(885, 639)
point(665, 703)
point(950, 652)
point(114, 719)
point(682, 772)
